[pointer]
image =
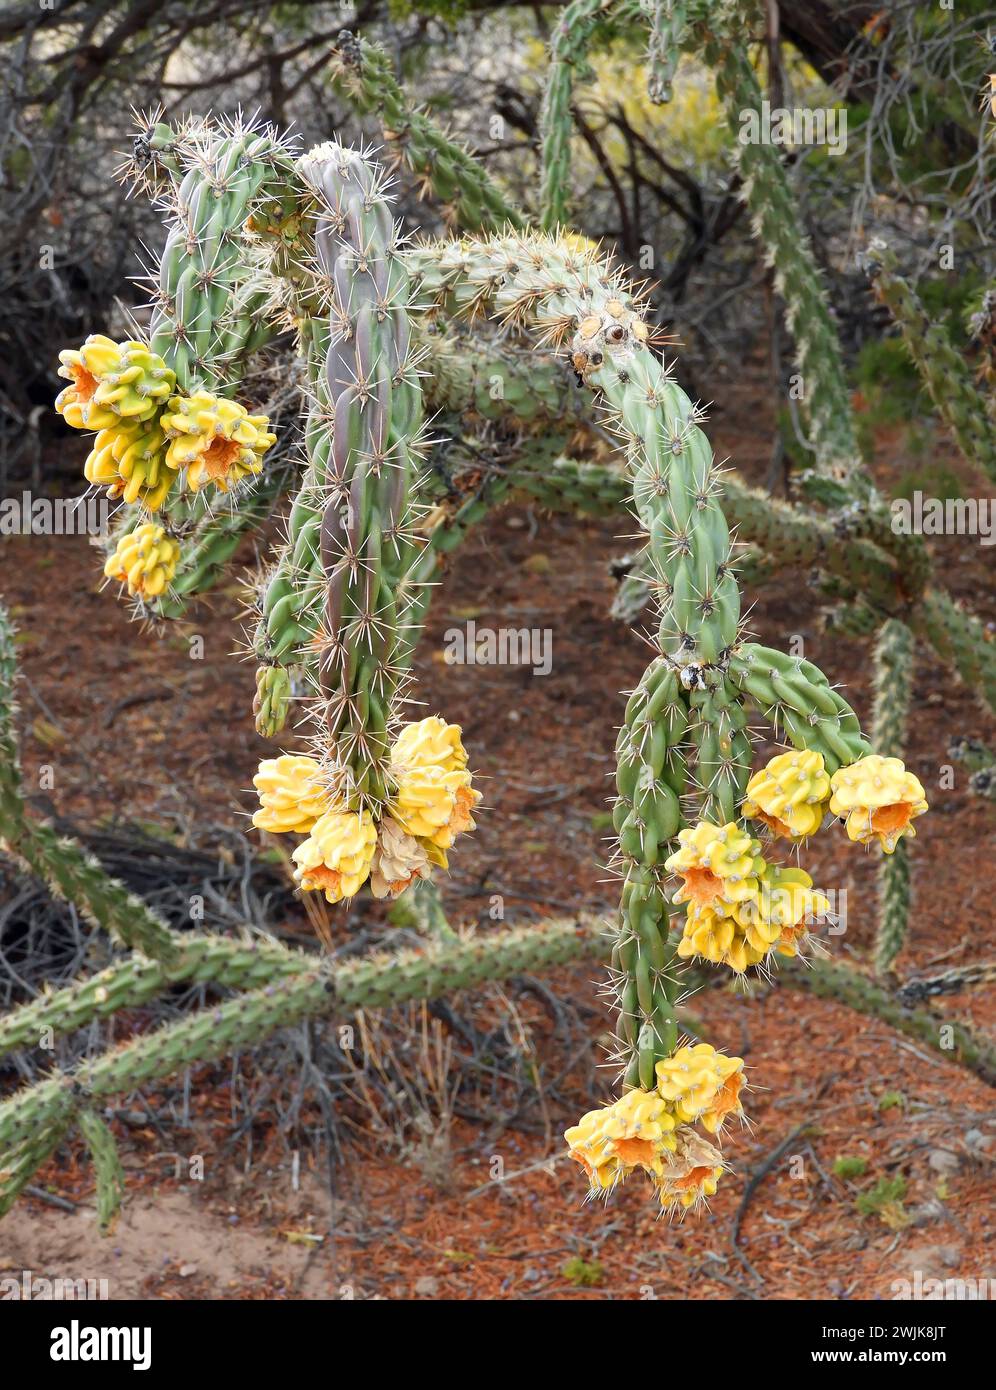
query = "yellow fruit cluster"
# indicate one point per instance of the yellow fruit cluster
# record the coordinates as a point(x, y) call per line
point(129, 460)
point(653, 1130)
point(147, 433)
point(432, 803)
point(216, 440)
point(111, 382)
point(740, 907)
point(145, 560)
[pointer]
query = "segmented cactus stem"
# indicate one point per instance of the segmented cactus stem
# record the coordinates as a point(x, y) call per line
point(795, 696)
point(944, 371)
point(207, 311)
point(132, 982)
point(106, 1166)
point(788, 250)
point(30, 1119)
point(568, 47)
point(365, 468)
point(950, 1039)
point(668, 28)
point(893, 676)
point(960, 640)
point(363, 72)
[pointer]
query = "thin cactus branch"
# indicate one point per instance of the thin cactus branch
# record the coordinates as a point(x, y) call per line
point(960, 640)
point(946, 1036)
point(787, 249)
point(362, 71)
point(893, 692)
point(944, 371)
point(133, 981)
point(668, 31)
point(327, 990)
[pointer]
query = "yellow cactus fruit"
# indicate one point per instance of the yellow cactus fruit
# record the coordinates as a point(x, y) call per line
point(715, 937)
point(112, 381)
point(336, 857)
point(691, 1173)
point(433, 804)
point(293, 795)
point(878, 799)
point(101, 466)
point(398, 861)
point(129, 460)
point(782, 914)
point(718, 865)
point(790, 794)
point(701, 1084)
point(430, 743)
point(216, 440)
point(145, 559)
point(633, 1132)
point(76, 403)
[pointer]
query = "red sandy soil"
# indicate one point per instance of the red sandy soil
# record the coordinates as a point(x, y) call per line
point(403, 1227)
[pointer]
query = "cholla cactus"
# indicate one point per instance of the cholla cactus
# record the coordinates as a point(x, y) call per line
point(684, 750)
point(261, 239)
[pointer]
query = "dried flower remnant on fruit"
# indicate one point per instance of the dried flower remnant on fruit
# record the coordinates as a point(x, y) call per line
point(399, 860)
point(691, 1174)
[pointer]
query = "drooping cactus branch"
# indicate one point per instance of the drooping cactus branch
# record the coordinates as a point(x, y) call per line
point(265, 241)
